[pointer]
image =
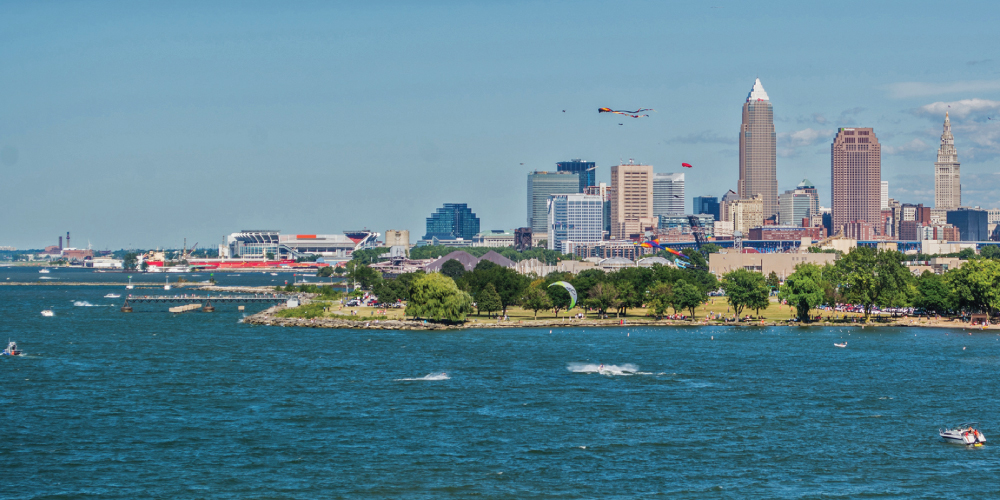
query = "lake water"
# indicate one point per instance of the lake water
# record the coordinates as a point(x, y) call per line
point(151, 404)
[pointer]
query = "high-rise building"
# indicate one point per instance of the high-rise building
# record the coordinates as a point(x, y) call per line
point(397, 237)
point(540, 186)
point(884, 195)
point(668, 194)
point(947, 188)
point(758, 171)
point(575, 218)
point(856, 177)
point(972, 224)
point(706, 205)
point(797, 204)
point(727, 198)
point(747, 214)
point(586, 169)
point(631, 200)
point(451, 222)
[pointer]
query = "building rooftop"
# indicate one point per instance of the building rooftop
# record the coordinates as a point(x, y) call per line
point(757, 93)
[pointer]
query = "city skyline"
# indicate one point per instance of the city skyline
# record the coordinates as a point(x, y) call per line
point(123, 116)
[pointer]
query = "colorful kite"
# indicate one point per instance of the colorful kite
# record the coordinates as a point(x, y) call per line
point(675, 252)
point(633, 114)
point(686, 165)
point(569, 288)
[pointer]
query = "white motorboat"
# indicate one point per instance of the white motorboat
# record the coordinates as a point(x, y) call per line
point(11, 350)
point(48, 313)
point(967, 434)
point(112, 296)
point(840, 345)
point(44, 271)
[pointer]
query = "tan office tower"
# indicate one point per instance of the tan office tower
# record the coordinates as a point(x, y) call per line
point(631, 200)
point(947, 188)
point(758, 175)
point(856, 177)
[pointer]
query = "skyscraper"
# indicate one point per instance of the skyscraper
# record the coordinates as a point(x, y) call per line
point(746, 214)
point(540, 186)
point(668, 194)
point(884, 195)
point(856, 177)
point(453, 221)
point(758, 172)
point(947, 188)
point(631, 200)
point(706, 205)
point(799, 203)
point(577, 218)
point(586, 169)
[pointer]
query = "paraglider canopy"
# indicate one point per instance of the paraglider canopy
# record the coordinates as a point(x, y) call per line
point(569, 288)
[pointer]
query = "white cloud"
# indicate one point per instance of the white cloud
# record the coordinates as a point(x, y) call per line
point(975, 123)
point(903, 90)
point(790, 142)
point(966, 108)
point(914, 146)
point(703, 137)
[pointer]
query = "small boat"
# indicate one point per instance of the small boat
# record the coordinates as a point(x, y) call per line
point(966, 434)
point(11, 350)
point(274, 274)
point(112, 296)
point(840, 345)
point(44, 271)
point(48, 313)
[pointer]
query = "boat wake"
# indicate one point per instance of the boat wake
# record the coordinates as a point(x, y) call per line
point(84, 303)
point(47, 278)
point(429, 377)
point(626, 369)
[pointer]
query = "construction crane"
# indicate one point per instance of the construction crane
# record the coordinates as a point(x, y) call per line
point(187, 253)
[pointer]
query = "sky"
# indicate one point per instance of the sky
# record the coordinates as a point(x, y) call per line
point(139, 124)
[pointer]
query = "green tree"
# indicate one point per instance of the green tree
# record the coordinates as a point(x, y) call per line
point(869, 277)
point(363, 275)
point(558, 295)
point(773, 282)
point(688, 296)
point(536, 299)
point(661, 296)
point(709, 248)
point(488, 300)
point(934, 294)
point(339, 270)
point(325, 272)
point(990, 252)
point(453, 269)
point(269, 256)
point(976, 285)
point(745, 289)
point(602, 296)
point(144, 266)
point(130, 262)
point(804, 289)
point(435, 296)
point(627, 297)
point(369, 255)
point(966, 254)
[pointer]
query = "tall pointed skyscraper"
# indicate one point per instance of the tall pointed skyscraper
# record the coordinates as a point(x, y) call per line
point(758, 175)
point(947, 188)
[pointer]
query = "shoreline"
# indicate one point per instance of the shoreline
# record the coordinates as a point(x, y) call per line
point(267, 318)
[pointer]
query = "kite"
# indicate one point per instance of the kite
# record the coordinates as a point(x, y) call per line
point(569, 288)
point(681, 264)
point(633, 114)
point(675, 252)
point(686, 165)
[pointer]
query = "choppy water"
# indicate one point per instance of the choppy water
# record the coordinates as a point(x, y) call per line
point(155, 405)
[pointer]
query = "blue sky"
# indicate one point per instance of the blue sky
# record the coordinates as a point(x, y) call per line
point(139, 124)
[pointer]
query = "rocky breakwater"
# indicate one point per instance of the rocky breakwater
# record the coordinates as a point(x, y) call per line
point(267, 317)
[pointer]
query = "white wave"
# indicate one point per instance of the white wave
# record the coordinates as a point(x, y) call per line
point(84, 303)
point(626, 369)
point(47, 278)
point(429, 376)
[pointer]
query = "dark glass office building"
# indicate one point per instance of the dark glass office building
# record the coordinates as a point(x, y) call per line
point(706, 205)
point(972, 224)
point(453, 221)
point(586, 169)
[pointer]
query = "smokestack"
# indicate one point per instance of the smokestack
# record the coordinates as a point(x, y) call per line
point(60, 243)
point(67, 240)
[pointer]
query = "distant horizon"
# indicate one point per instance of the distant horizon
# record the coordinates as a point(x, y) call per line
point(137, 125)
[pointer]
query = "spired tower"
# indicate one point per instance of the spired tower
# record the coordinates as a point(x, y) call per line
point(758, 174)
point(947, 188)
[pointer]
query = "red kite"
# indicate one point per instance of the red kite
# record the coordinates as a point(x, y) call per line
point(633, 114)
point(686, 165)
